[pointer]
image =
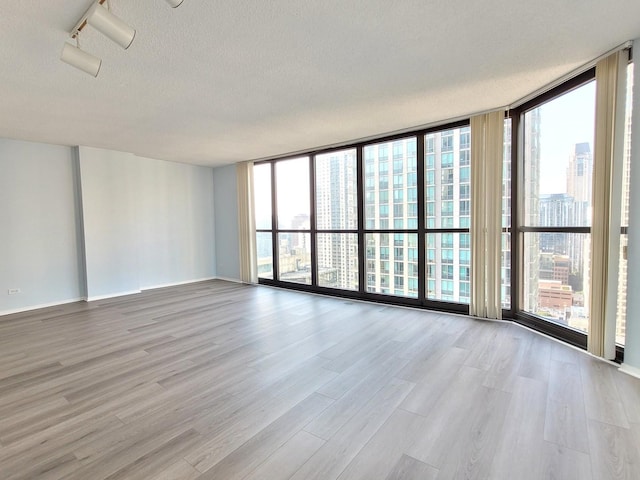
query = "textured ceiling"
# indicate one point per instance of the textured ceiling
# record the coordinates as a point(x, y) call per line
point(216, 82)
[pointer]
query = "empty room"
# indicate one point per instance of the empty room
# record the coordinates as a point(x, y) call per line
point(319, 240)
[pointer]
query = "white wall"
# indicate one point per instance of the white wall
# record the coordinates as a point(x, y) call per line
point(176, 223)
point(38, 244)
point(109, 180)
point(84, 222)
point(147, 223)
point(225, 190)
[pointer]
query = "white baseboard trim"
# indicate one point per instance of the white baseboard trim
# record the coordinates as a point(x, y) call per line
point(227, 279)
point(43, 305)
point(629, 370)
point(112, 295)
point(175, 284)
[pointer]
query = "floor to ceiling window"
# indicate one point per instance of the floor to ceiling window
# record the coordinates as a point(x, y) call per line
point(391, 217)
point(386, 220)
point(621, 310)
point(505, 260)
point(447, 211)
point(389, 220)
point(293, 214)
point(555, 227)
point(336, 216)
point(263, 213)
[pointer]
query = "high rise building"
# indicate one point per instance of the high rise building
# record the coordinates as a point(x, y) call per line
point(621, 314)
point(337, 209)
point(531, 254)
point(556, 210)
point(580, 187)
point(391, 203)
point(448, 205)
point(580, 182)
point(505, 263)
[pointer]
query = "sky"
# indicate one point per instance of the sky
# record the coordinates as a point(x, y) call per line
point(294, 176)
point(565, 121)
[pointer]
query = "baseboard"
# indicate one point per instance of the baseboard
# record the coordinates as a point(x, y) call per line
point(153, 287)
point(112, 295)
point(175, 284)
point(227, 279)
point(629, 370)
point(37, 307)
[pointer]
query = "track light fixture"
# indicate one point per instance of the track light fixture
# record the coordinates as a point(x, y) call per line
point(109, 25)
point(103, 20)
point(80, 59)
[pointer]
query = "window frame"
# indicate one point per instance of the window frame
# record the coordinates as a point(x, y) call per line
point(415, 194)
point(518, 229)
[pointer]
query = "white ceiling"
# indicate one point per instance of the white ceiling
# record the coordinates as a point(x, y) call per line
point(216, 82)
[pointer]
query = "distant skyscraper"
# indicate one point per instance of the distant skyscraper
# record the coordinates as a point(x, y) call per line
point(448, 205)
point(531, 254)
point(506, 218)
point(391, 197)
point(580, 182)
point(580, 187)
point(621, 320)
point(337, 209)
point(556, 210)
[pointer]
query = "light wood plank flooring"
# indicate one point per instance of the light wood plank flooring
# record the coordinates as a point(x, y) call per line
point(216, 380)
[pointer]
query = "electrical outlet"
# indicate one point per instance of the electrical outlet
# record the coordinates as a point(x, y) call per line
point(13, 291)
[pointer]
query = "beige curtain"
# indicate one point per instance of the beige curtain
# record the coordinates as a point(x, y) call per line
point(487, 132)
point(246, 223)
point(603, 158)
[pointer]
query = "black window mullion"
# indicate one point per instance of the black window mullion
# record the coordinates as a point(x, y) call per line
point(516, 141)
point(537, 229)
point(313, 219)
point(422, 268)
point(361, 235)
point(274, 224)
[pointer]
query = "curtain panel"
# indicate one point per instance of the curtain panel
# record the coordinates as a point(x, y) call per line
point(487, 139)
point(246, 223)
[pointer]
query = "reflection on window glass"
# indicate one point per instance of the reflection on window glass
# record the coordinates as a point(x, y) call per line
point(292, 188)
point(558, 165)
point(294, 262)
point(392, 269)
point(262, 195)
point(338, 260)
point(390, 185)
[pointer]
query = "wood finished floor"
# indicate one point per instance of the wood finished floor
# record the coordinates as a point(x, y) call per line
point(222, 381)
